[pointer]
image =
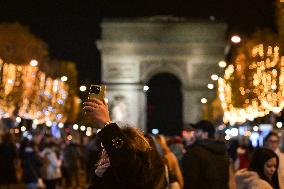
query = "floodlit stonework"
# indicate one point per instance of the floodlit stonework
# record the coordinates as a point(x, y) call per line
point(135, 50)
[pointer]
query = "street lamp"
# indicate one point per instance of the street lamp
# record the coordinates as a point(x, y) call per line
point(222, 64)
point(210, 86)
point(203, 100)
point(214, 77)
point(236, 39)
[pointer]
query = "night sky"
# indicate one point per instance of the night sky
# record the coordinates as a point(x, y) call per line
point(71, 27)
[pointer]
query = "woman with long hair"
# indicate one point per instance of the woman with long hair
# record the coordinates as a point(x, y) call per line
point(262, 171)
point(170, 160)
point(127, 159)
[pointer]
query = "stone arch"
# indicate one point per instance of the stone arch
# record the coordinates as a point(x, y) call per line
point(155, 69)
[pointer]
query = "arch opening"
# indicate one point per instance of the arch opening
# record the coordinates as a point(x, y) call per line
point(164, 105)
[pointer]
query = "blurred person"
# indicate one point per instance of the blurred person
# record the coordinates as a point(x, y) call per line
point(8, 156)
point(127, 160)
point(272, 141)
point(170, 159)
point(262, 171)
point(206, 163)
point(188, 135)
point(31, 164)
point(51, 172)
point(71, 159)
point(158, 161)
point(177, 147)
point(92, 154)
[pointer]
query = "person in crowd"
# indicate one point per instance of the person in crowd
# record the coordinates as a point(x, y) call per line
point(272, 141)
point(51, 166)
point(126, 161)
point(170, 159)
point(31, 164)
point(159, 161)
point(92, 154)
point(188, 135)
point(8, 156)
point(206, 163)
point(262, 171)
point(177, 147)
point(71, 159)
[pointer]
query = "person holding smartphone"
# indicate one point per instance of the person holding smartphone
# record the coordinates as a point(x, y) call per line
point(126, 161)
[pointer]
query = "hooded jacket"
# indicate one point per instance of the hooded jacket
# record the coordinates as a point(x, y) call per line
point(250, 180)
point(206, 165)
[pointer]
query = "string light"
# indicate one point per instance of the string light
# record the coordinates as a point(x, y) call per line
point(222, 64)
point(264, 92)
point(29, 91)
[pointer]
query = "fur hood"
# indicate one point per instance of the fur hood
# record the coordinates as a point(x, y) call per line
point(250, 180)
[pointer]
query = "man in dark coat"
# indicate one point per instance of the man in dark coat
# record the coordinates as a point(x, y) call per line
point(206, 163)
point(8, 155)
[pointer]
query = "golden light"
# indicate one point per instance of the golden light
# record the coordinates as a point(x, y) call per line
point(48, 123)
point(38, 97)
point(227, 137)
point(279, 124)
point(69, 137)
point(83, 88)
point(210, 86)
point(64, 78)
point(262, 93)
point(214, 77)
point(18, 119)
point(146, 88)
point(23, 128)
point(75, 126)
point(17, 131)
point(83, 128)
point(203, 100)
point(60, 125)
point(33, 62)
point(222, 64)
point(236, 39)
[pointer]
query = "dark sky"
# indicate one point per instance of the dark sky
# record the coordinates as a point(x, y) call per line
point(70, 27)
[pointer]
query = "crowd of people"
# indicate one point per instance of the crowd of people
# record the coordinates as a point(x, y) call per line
point(123, 157)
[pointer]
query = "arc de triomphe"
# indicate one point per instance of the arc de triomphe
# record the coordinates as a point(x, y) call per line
point(135, 50)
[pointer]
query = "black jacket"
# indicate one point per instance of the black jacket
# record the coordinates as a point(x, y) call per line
point(128, 169)
point(31, 164)
point(206, 165)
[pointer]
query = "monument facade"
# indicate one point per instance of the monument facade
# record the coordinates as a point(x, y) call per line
point(135, 50)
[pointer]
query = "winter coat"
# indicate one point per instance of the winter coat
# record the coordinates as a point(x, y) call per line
point(7, 167)
point(128, 169)
point(51, 167)
point(281, 168)
point(31, 165)
point(206, 165)
point(250, 180)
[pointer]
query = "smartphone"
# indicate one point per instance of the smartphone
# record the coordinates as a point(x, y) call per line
point(97, 91)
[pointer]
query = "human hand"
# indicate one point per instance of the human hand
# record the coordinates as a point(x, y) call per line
point(97, 111)
point(103, 164)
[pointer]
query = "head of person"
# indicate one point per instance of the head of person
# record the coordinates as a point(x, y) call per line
point(188, 135)
point(204, 130)
point(265, 162)
point(271, 141)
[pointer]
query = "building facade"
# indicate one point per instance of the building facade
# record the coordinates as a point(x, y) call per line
point(135, 50)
